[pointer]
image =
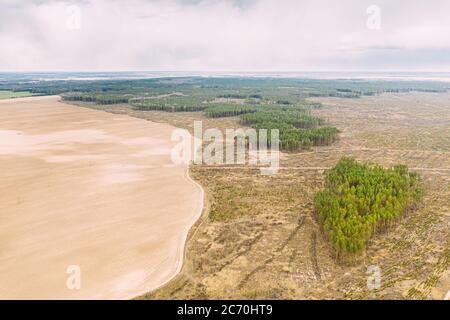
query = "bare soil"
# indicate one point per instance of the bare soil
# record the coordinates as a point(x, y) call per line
point(91, 189)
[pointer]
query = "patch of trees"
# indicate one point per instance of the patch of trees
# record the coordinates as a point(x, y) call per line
point(296, 118)
point(361, 200)
point(167, 105)
point(334, 94)
point(96, 98)
point(283, 102)
point(228, 110)
point(78, 97)
point(240, 96)
point(297, 128)
point(369, 93)
point(343, 90)
point(233, 96)
point(295, 139)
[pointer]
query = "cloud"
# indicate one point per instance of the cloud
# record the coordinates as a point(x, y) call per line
point(245, 35)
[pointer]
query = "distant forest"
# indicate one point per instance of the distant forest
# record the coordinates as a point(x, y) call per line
point(260, 103)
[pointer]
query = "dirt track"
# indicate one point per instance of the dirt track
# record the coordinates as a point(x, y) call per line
point(93, 189)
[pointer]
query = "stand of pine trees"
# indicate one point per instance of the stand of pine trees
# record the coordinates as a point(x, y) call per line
point(298, 129)
point(228, 110)
point(143, 104)
point(361, 200)
point(102, 99)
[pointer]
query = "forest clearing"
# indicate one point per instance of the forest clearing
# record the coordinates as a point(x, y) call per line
point(92, 190)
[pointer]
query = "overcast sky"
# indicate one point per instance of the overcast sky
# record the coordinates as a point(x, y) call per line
point(224, 35)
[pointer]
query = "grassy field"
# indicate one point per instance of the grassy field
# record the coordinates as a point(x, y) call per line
point(5, 94)
point(259, 236)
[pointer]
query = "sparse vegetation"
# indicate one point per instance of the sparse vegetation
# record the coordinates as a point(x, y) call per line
point(267, 244)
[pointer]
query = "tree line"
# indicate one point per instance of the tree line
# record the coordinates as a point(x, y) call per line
point(228, 110)
point(298, 129)
point(166, 105)
point(97, 98)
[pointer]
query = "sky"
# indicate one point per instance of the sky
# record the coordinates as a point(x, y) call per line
point(224, 35)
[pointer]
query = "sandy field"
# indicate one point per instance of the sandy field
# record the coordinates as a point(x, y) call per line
point(81, 187)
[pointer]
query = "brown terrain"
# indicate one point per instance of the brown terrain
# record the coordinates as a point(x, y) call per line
point(91, 189)
point(258, 237)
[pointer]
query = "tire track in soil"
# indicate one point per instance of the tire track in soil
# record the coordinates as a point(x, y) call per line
point(313, 251)
point(262, 266)
point(249, 246)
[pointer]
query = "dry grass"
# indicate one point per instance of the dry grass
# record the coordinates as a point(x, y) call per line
point(272, 247)
point(258, 237)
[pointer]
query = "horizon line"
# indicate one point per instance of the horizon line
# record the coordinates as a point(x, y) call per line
point(232, 71)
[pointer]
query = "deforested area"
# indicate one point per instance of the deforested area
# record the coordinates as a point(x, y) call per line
point(253, 150)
